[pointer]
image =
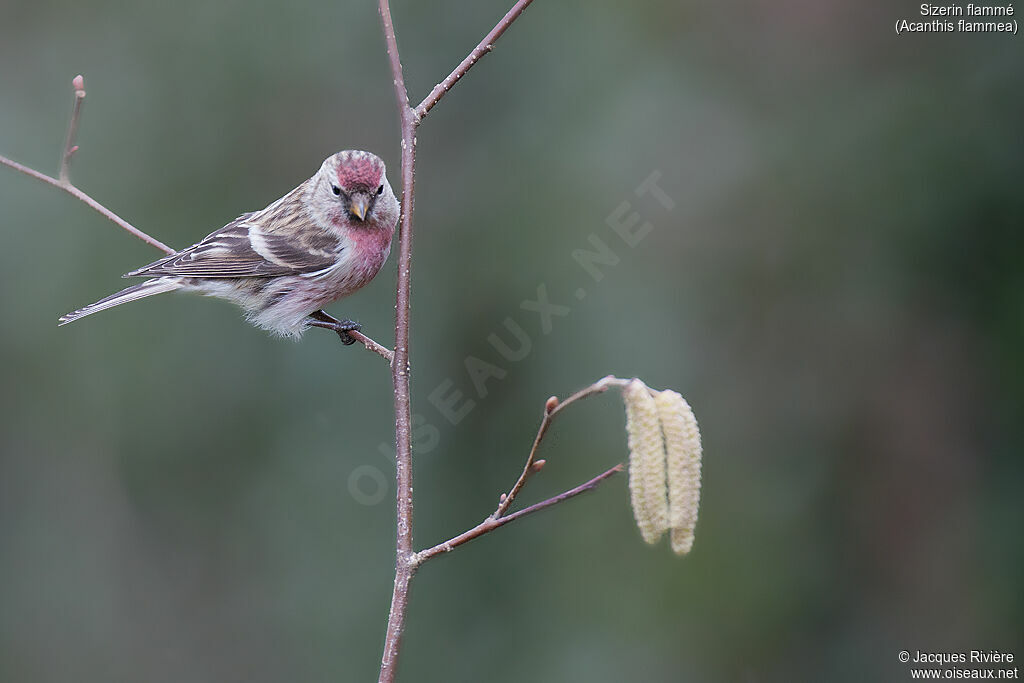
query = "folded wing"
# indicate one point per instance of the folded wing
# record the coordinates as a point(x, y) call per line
point(240, 249)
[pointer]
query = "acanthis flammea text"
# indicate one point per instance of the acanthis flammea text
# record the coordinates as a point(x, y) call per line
point(969, 18)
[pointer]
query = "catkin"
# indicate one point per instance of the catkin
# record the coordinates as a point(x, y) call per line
point(683, 460)
point(647, 478)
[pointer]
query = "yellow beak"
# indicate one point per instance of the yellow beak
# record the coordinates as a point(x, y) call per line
point(358, 207)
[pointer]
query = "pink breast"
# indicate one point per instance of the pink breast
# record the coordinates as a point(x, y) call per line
point(371, 248)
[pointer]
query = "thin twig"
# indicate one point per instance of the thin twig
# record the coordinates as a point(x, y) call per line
point(89, 201)
point(551, 408)
point(381, 350)
point(498, 518)
point(491, 523)
point(78, 83)
point(63, 182)
point(482, 48)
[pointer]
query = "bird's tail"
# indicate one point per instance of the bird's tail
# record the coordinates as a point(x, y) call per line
point(140, 291)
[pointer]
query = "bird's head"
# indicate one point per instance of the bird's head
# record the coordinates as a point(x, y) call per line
point(354, 184)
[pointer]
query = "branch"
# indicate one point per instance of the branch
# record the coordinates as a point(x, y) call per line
point(89, 201)
point(405, 559)
point(498, 518)
point(492, 523)
point(404, 567)
point(372, 346)
point(482, 48)
point(64, 183)
point(551, 409)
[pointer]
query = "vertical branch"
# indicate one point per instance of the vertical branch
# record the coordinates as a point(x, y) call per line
point(405, 558)
point(404, 566)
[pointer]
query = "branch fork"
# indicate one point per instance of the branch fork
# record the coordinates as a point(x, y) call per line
point(63, 181)
point(501, 516)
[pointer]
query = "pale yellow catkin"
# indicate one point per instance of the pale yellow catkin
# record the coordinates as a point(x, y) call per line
point(647, 482)
point(683, 462)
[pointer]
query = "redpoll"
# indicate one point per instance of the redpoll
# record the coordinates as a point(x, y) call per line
point(322, 241)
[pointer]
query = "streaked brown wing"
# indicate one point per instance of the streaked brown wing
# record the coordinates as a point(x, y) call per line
point(242, 250)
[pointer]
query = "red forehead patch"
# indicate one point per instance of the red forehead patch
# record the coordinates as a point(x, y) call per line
point(362, 170)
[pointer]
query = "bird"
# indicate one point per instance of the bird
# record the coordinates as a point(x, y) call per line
point(283, 264)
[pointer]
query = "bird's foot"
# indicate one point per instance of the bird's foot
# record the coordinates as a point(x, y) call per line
point(342, 327)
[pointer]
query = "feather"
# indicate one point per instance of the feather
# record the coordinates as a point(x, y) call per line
point(133, 293)
point(245, 250)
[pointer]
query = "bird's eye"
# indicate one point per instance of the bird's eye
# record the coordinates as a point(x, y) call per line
point(380, 190)
point(336, 190)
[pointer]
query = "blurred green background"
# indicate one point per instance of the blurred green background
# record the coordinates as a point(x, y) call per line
point(838, 292)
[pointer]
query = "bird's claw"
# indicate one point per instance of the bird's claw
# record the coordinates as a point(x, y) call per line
point(343, 328)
